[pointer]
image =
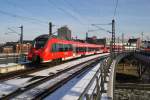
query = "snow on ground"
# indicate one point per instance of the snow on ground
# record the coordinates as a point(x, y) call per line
point(24, 62)
point(8, 65)
point(33, 92)
point(24, 81)
point(6, 88)
point(18, 82)
point(63, 66)
point(73, 89)
point(2, 58)
point(55, 69)
point(13, 64)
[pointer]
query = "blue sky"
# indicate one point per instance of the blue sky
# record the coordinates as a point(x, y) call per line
point(132, 17)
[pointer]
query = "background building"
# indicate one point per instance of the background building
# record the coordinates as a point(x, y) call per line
point(15, 47)
point(64, 32)
point(94, 40)
point(133, 44)
point(146, 44)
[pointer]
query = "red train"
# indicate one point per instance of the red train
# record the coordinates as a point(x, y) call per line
point(47, 48)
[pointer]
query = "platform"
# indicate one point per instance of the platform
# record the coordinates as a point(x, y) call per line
point(5, 68)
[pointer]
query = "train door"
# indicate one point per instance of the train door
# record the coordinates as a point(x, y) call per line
point(55, 50)
point(74, 50)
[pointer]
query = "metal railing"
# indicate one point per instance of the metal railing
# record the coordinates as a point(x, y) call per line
point(103, 80)
point(100, 82)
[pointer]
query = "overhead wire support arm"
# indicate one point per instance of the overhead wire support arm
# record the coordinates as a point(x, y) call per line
point(100, 28)
point(101, 24)
point(12, 31)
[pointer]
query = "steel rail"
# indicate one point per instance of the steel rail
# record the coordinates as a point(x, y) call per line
point(39, 82)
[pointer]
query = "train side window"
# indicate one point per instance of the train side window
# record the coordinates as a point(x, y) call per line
point(74, 48)
point(66, 47)
point(61, 48)
point(53, 47)
point(81, 49)
point(70, 47)
point(84, 49)
point(77, 49)
point(57, 47)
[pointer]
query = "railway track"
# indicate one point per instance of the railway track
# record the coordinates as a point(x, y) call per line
point(31, 78)
point(54, 81)
point(30, 69)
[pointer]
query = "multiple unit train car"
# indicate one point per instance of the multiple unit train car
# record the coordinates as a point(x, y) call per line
point(47, 48)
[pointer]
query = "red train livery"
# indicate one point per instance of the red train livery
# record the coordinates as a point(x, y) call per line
point(47, 48)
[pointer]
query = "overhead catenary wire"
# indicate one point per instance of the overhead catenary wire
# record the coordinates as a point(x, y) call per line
point(15, 5)
point(100, 28)
point(13, 31)
point(21, 8)
point(71, 6)
point(65, 11)
point(84, 18)
point(102, 24)
point(115, 10)
point(75, 10)
point(22, 17)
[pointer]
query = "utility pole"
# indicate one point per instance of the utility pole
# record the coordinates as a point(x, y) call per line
point(86, 35)
point(21, 35)
point(122, 41)
point(21, 41)
point(142, 35)
point(142, 39)
point(118, 45)
point(50, 28)
point(21, 38)
point(113, 38)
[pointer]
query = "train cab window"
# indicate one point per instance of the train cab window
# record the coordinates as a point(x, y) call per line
point(39, 43)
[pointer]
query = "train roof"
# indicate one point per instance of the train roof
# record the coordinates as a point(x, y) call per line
point(46, 36)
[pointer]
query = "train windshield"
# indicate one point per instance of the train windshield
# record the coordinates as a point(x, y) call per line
point(39, 43)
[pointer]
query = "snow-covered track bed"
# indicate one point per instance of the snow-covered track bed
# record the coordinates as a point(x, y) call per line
point(33, 68)
point(30, 81)
point(42, 87)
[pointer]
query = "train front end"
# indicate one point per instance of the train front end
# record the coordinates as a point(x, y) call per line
point(38, 47)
